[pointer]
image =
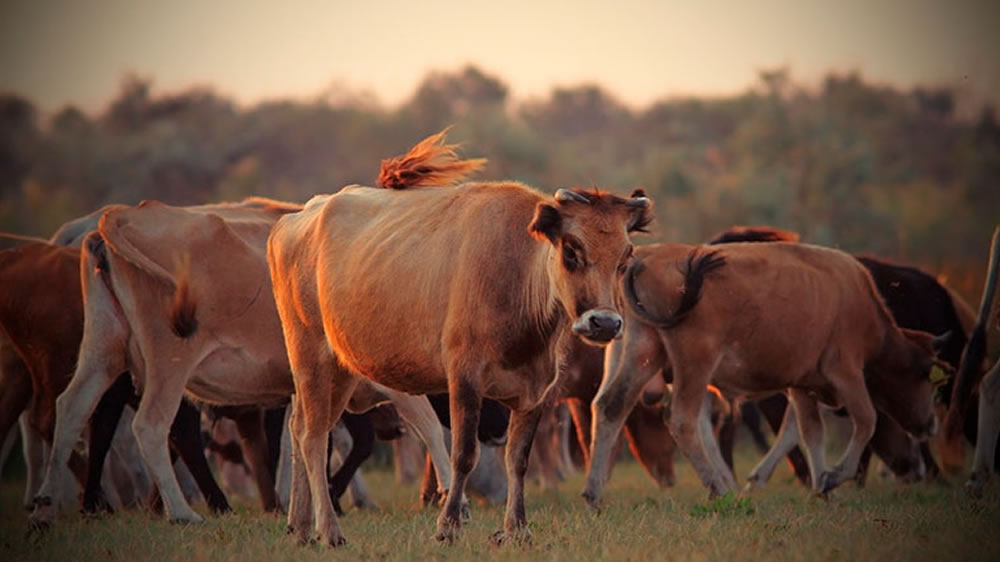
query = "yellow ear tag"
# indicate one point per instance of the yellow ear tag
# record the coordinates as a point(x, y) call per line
point(938, 377)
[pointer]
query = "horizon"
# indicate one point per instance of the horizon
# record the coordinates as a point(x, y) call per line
point(653, 53)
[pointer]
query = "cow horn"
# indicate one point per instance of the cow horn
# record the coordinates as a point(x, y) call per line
point(565, 195)
point(638, 202)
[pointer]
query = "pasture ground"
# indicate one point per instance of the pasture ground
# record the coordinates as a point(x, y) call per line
point(885, 521)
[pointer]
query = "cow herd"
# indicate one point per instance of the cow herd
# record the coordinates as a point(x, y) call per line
point(454, 303)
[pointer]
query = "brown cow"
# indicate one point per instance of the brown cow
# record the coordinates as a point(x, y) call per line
point(426, 288)
point(221, 345)
point(757, 318)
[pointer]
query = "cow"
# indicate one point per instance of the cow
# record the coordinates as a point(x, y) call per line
point(989, 390)
point(426, 286)
point(758, 318)
point(181, 298)
point(917, 301)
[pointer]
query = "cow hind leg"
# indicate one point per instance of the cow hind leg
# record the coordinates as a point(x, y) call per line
point(158, 407)
point(989, 429)
point(362, 443)
point(34, 458)
point(103, 424)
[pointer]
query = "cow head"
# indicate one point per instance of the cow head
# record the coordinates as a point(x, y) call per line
point(905, 387)
point(589, 233)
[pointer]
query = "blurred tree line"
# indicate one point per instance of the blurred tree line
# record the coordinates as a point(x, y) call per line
point(865, 167)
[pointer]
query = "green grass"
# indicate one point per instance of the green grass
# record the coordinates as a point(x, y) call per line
point(886, 521)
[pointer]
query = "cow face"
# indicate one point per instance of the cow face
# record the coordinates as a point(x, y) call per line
point(907, 392)
point(589, 234)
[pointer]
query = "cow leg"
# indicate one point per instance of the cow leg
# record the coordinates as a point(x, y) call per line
point(850, 387)
point(429, 486)
point(34, 458)
point(751, 418)
point(103, 424)
point(773, 408)
point(651, 443)
point(284, 470)
point(324, 390)
point(185, 439)
point(989, 428)
point(786, 440)
point(8, 447)
point(417, 412)
point(73, 409)
point(465, 403)
point(160, 404)
point(362, 443)
point(811, 433)
point(629, 364)
point(706, 429)
point(580, 413)
point(300, 520)
point(250, 425)
point(523, 426)
point(690, 425)
point(727, 437)
point(275, 421)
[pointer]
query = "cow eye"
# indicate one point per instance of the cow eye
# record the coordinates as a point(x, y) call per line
point(570, 260)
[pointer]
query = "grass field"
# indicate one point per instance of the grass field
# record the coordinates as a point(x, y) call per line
point(885, 521)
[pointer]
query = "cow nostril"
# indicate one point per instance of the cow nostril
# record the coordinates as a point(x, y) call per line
point(595, 323)
point(617, 324)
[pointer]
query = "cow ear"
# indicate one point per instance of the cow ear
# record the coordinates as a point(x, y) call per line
point(547, 224)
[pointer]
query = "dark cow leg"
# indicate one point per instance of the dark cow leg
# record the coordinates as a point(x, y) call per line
point(523, 426)
point(274, 425)
point(651, 443)
point(773, 410)
point(429, 486)
point(751, 418)
point(933, 471)
point(185, 438)
point(103, 424)
point(580, 412)
point(862, 474)
point(250, 425)
point(727, 438)
point(362, 432)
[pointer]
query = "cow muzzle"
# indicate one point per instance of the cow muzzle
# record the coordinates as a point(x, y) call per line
point(930, 429)
point(598, 326)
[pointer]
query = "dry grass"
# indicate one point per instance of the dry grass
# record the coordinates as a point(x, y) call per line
point(886, 521)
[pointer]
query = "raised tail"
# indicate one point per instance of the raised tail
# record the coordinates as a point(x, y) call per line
point(695, 270)
point(430, 163)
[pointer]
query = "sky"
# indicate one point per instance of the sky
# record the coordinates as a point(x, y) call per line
point(58, 52)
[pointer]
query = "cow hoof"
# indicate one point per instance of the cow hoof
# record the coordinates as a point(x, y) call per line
point(827, 482)
point(186, 519)
point(521, 537)
point(336, 541)
point(448, 530)
point(466, 511)
point(974, 488)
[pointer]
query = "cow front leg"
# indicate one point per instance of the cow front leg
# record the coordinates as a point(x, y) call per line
point(522, 432)
point(465, 403)
point(629, 364)
point(417, 412)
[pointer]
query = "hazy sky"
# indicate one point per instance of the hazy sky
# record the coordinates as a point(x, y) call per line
point(59, 52)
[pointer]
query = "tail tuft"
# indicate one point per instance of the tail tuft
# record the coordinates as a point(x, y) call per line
point(183, 319)
point(695, 270)
point(430, 163)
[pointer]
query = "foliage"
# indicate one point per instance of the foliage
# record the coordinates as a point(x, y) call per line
point(854, 164)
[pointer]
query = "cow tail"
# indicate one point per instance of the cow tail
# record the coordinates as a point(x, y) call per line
point(970, 371)
point(695, 270)
point(430, 163)
point(183, 318)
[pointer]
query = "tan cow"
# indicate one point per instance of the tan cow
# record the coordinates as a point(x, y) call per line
point(755, 318)
point(427, 288)
point(989, 389)
point(181, 298)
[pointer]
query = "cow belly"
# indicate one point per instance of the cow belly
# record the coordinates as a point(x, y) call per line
point(233, 377)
